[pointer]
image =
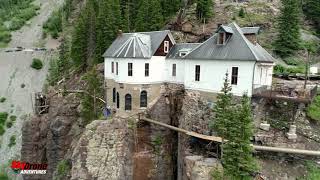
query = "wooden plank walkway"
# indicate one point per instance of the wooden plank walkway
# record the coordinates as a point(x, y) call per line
point(219, 140)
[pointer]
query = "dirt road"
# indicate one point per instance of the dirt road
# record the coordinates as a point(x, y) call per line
point(15, 70)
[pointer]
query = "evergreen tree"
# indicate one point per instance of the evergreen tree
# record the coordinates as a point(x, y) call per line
point(156, 18)
point(204, 9)
point(90, 106)
point(312, 10)
point(234, 124)
point(143, 17)
point(288, 40)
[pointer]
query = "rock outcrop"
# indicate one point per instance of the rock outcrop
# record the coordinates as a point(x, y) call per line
point(104, 151)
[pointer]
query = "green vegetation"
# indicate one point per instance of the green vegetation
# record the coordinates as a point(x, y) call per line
point(279, 69)
point(13, 118)
point(13, 15)
point(234, 124)
point(241, 13)
point(2, 99)
point(3, 117)
point(36, 64)
point(313, 111)
point(63, 168)
point(12, 141)
point(288, 40)
point(204, 9)
point(313, 172)
point(3, 176)
point(94, 87)
point(311, 9)
point(2, 130)
point(53, 26)
point(9, 124)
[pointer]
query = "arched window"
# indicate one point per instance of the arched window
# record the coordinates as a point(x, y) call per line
point(118, 100)
point(128, 100)
point(114, 95)
point(143, 99)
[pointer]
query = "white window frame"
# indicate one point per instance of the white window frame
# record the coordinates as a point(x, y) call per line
point(166, 45)
point(182, 54)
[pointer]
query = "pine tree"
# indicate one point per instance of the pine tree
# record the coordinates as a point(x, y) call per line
point(234, 124)
point(94, 86)
point(312, 10)
point(204, 9)
point(143, 17)
point(156, 18)
point(288, 40)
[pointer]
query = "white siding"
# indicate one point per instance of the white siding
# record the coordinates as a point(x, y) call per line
point(156, 67)
point(212, 74)
point(263, 75)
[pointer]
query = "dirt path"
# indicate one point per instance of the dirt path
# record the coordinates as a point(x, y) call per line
point(15, 70)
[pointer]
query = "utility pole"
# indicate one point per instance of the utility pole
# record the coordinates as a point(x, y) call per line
point(306, 71)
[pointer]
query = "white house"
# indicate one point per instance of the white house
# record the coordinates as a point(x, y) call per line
point(137, 64)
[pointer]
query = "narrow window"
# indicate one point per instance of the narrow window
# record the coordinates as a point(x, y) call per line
point(197, 73)
point(117, 66)
point(118, 100)
point(114, 95)
point(174, 69)
point(112, 67)
point(146, 69)
point(234, 77)
point(129, 69)
point(128, 102)
point(166, 46)
point(221, 38)
point(143, 99)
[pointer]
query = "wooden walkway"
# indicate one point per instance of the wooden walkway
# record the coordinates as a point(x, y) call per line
point(219, 140)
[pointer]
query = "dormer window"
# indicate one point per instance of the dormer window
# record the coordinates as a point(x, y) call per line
point(166, 46)
point(221, 38)
point(182, 54)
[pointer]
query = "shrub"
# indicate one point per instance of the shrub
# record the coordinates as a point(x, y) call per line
point(37, 64)
point(12, 141)
point(313, 111)
point(9, 124)
point(54, 24)
point(13, 118)
point(2, 130)
point(241, 13)
point(2, 99)
point(63, 168)
point(3, 117)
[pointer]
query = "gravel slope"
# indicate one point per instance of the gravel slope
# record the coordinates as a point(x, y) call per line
point(15, 70)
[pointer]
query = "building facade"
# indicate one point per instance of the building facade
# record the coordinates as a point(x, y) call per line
point(137, 65)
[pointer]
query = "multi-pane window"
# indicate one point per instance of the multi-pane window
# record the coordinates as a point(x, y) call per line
point(197, 73)
point(146, 69)
point(166, 46)
point(117, 70)
point(174, 69)
point(129, 69)
point(112, 67)
point(234, 76)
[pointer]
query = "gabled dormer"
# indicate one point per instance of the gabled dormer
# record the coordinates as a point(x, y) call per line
point(223, 34)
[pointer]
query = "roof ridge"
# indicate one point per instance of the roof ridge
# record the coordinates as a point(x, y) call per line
point(145, 32)
point(200, 45)
point(247, 42)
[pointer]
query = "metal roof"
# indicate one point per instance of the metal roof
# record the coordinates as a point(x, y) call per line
point(137, 45)
point(250, 30)
point(226, 29)
point(238, 47)
point(177, 48)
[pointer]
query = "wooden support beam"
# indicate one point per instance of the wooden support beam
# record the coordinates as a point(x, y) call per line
point(219, 140)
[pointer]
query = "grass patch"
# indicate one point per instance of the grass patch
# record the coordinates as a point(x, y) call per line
point(63, 168)
point(313, 172)
point(12, 141)
point(313, 111)
point(37, 64)
point(279, 69)
point(2, 99)
point(3, 117)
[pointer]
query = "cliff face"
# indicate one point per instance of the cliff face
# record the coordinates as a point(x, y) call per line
point(49, 138)
point(104, 151)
